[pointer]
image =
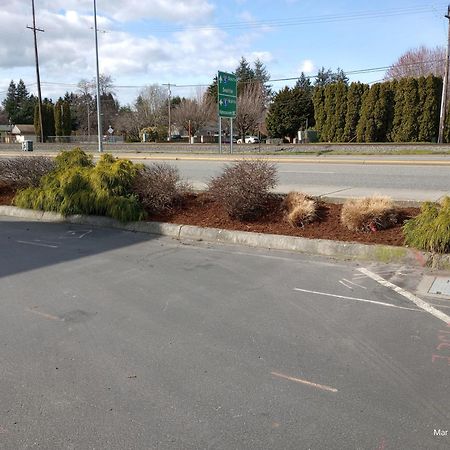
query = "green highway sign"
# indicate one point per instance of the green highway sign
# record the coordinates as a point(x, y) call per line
point(227, 90)
point(227, 84)
point(227, 106)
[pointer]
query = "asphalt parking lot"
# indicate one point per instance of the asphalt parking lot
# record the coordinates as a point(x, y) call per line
point(118, 340)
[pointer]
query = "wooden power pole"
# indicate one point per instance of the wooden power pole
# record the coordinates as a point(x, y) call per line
point(444, 102)
point(37, 69)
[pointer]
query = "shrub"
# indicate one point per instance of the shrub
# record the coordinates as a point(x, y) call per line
point(76, 186)
point(369, 213)
point(430, 230)
point(244, 188)
point(300, 209)
point(159, 187)
point(25, 171)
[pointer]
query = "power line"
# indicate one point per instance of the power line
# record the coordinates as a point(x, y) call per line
point(306, 20)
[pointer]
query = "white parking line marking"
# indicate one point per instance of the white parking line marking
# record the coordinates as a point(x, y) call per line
point(416, 300)
point(308, 383)
point(37, 244)
point(354, 284)
point(346, 285)
point(364, 300)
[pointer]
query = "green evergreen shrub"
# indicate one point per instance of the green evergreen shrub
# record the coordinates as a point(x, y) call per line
point(243, 188)
point(77, 186)
point(430, 230)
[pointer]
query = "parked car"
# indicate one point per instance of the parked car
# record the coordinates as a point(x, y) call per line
point(249, 140)
point(175, 137)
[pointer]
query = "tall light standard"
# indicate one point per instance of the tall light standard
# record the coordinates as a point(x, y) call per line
point(100, 144)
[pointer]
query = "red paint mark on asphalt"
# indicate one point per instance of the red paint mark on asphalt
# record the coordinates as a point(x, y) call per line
point(443, 347)
point(382, 445)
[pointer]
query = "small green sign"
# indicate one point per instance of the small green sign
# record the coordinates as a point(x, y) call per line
point(227, 90)
point(227, 106)
point(227, 84)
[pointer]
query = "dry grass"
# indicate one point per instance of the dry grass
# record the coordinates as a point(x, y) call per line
point(300, 209)
point(369, 213)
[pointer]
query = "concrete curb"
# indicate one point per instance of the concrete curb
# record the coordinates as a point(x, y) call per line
point(322, 247)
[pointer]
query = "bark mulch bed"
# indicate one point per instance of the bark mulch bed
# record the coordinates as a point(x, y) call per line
point(199, 210)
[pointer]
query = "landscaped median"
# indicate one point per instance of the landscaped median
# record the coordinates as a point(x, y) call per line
point(323, 247)
point(238, 207)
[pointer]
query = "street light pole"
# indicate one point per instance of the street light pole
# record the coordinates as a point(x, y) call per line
point(99, 122)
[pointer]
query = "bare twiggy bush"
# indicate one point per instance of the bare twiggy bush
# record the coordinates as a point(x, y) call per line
point(160, 187)
point(300, 209)
point(25, 171)
point(369, 213)
point(243, 188)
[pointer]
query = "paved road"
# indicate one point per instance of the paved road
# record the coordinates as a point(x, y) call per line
point(118, 340)
point(405, 178)
point(402, 182)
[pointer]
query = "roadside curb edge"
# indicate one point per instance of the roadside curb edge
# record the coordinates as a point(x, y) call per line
point(321, 247)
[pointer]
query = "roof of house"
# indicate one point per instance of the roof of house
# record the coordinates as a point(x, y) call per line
point(23, 129)
point(4, 128)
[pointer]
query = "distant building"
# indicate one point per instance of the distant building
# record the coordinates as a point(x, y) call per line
point(5, 134)
point(23, 133)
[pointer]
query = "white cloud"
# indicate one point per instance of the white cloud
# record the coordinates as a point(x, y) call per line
point(307, 66)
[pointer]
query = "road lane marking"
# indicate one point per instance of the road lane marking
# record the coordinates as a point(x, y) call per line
point(416, 300)
point(47, 316)
point(364, 300)
point(307, 383)
point(37, 244)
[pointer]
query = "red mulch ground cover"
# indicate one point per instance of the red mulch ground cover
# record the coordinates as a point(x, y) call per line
point(198, 209)
point(6, 195)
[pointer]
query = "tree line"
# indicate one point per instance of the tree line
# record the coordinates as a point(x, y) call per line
point(405, 109)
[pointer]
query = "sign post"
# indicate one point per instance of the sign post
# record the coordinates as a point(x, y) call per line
point(227, 102)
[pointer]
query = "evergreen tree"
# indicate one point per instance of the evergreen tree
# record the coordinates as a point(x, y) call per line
point(406, 111)
point(354, 103)
point(212, 91)
point(320, 114)
point(244, 74)
point(340, 101)
point(58, 117)
point(262, 75)
point(329, 127)
point(366, 129)
point(430, 91)
point(323, 77)
point(48, 119)
point(10, 102)
point(290, 110)
point(66, 119)
point(340, 76)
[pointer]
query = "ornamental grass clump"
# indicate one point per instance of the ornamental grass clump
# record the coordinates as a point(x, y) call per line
point(243, 188)
point(24, 171)
point(300, 209)
point(159, 187)
point(369, 213)
point(77, 186)
point(430, 230)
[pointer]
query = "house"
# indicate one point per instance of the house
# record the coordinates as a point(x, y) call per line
point(23, 133)
point(5, 133)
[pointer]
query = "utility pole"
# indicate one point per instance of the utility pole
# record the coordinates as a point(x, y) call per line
point(99, 119)
point(37, 68)
point(170, 100)
point(444, 102)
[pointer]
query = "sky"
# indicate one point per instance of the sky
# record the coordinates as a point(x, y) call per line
point(185, 42)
